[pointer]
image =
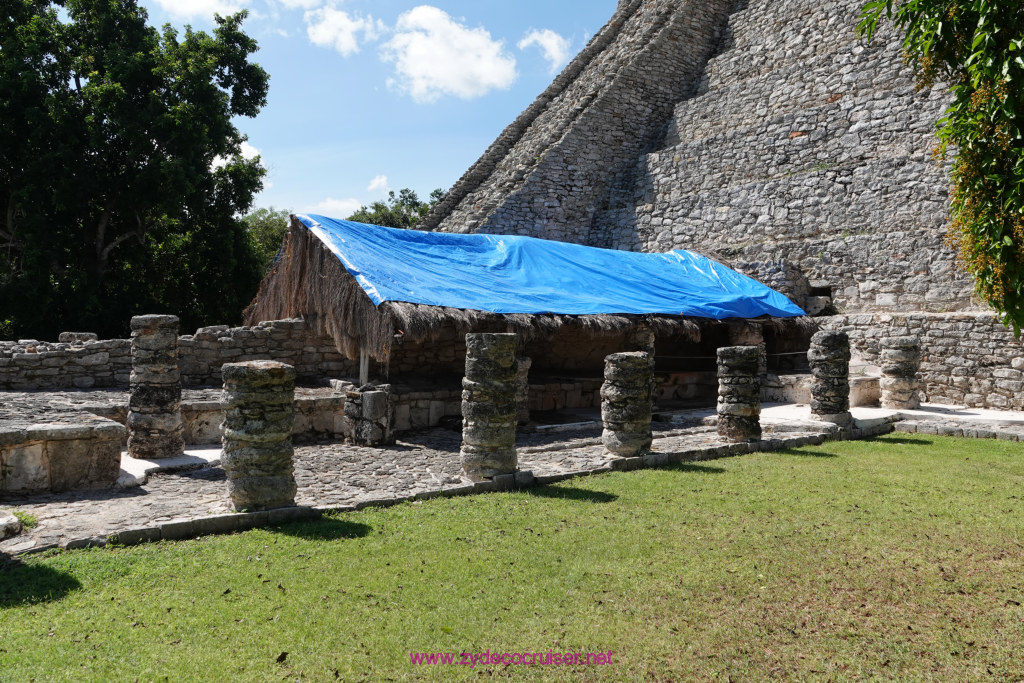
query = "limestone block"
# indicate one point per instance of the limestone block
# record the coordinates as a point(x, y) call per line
point(9, 525)
point(24, 468)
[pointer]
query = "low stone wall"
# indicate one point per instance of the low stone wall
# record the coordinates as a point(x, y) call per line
point(968, 359)
point(30, 364)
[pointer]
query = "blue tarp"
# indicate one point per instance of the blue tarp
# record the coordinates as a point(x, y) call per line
point(511, 274)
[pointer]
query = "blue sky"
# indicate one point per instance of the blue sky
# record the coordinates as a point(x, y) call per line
point(371, 95)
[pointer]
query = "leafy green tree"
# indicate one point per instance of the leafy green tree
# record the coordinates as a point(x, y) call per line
point(121, 177)
point(401, 211)
point(977, 46)
point(267, 228)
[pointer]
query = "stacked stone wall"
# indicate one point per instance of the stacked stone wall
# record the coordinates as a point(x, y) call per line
point(967, 358)
point(31, 364)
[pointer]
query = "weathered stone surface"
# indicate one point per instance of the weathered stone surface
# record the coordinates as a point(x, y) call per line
point(626, 402)
point(69, 451)
point(77, 337)
point(155, 427)
point(900, 360)
point(523, 389)
point(370, 416)
point(258, 419)
point(489, 408)
point(739, 393)
point(9, 525)
point(829, 358)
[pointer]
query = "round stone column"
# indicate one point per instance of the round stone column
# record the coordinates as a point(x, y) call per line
point(739, 393)
point(900, 359)
point(626, 403)
point(155, 429)
point(829, 358)
point(259, 416)
point(489, 411)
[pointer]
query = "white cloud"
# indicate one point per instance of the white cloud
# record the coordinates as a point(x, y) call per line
point(186, 9)
point(248, 152)
point(378, 184)
point(434, 55)
point(337, 208)
point(554, 46)
point(301, 4)
point(335, 28)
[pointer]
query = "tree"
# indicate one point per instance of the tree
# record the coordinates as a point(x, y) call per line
point(112, 201)
point(267, 228)
point(403, 211)
point(977, 46)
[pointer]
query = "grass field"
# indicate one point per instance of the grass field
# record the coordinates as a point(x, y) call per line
point(899, 558)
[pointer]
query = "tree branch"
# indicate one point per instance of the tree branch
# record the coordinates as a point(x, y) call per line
point(105, 254)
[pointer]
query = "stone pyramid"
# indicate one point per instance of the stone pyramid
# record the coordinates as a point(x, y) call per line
point(764, 132)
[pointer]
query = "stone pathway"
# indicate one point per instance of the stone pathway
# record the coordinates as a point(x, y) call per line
point(424, 464)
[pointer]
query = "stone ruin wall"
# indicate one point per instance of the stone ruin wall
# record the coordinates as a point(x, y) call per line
point(30, 364)
point(969, 358)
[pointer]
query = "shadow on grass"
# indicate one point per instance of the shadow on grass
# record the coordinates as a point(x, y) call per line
point(906, 440)
point(25, 584)
point(695, 468)
point(572, 493)
point(324, 529)
point(805, 452)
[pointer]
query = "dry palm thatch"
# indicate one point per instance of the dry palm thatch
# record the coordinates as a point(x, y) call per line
point(309, 281)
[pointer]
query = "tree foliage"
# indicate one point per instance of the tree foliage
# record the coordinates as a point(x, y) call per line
point(977, 46)
point(401, 211)
point(267, 228)
point(121, 177)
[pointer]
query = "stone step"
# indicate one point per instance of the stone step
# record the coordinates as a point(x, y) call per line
point(893, 123)
point(850, 72)
point(796, 37)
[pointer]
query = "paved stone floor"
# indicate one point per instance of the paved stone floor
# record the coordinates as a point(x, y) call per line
point(329, 476)
point(423, 464)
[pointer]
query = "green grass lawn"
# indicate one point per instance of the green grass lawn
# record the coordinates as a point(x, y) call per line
point(899, 558)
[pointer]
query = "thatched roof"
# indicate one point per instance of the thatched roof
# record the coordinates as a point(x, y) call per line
point(310, 282)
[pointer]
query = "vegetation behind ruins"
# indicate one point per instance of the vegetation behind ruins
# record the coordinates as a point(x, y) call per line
point(896, 558)
point(976, 46)
point(122, 181)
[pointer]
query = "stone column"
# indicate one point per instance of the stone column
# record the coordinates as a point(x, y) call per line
point(626, 403)
point(523, 389)
point(489, 406)
point(641, 338)
point(155, 429)
point(259, 414)
point(829, 358)
point(900, 360)
point(750, 333)
point(739, 393)
point(370, 416)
